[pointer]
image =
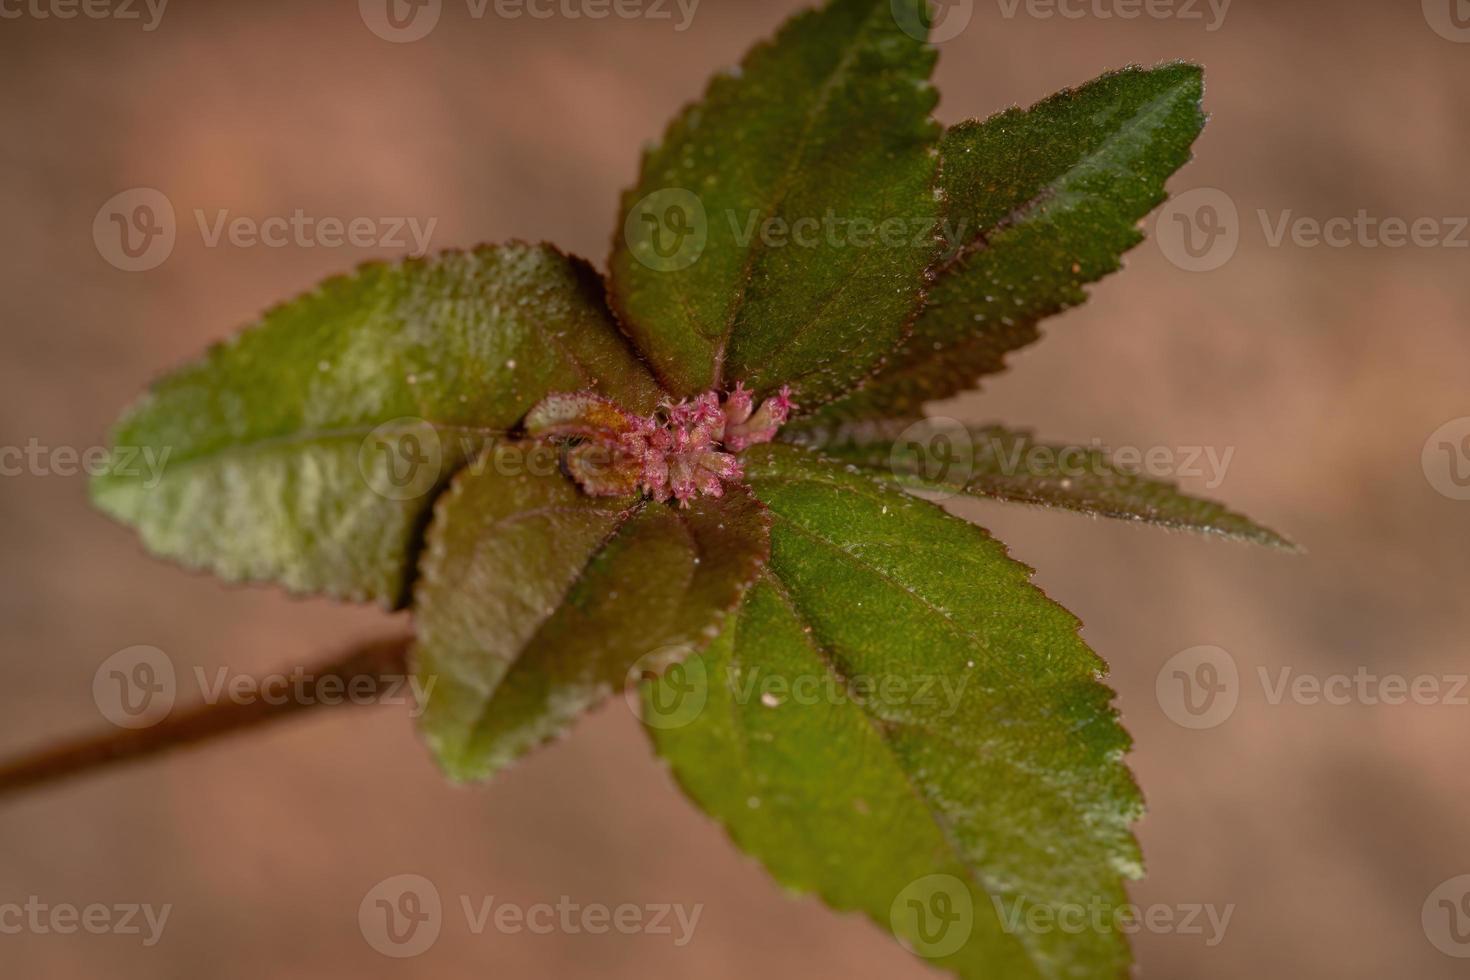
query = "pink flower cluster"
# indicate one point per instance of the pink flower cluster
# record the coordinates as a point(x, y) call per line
point(677, 453)
point(691, 450)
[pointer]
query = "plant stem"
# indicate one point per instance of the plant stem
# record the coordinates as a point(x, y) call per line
point(379, 661)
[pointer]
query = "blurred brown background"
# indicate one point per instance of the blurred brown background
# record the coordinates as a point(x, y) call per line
point(1326, 369)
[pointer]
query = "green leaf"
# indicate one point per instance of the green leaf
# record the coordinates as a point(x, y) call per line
point(823, 132)
point(308, 449)
point(944, 457)
point(1037, 204)
point(895, 713)
point(537, 600)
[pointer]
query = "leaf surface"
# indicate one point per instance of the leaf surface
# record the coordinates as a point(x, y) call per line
point(308, 449)
point(947, 458)
point(537, 601)
point(779, 233)
point(1038, 203)
point(896, 712)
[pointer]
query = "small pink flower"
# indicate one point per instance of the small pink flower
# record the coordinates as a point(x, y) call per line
point(685, 450)
point(761, 426)
point(739, 405)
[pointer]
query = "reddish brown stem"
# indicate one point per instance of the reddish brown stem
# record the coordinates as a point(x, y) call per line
point(380, 661)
